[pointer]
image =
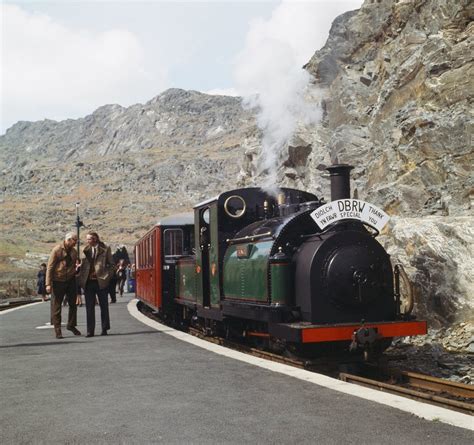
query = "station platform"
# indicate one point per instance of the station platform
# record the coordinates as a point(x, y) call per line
point(139, 385)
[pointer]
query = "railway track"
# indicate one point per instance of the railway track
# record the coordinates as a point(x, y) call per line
point(12, 304)
point(249, 350)
point(440, 392)
point(445, 393)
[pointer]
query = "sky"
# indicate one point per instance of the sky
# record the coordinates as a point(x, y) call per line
point(66, 58)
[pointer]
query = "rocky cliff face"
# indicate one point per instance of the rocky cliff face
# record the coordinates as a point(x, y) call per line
point(397, 79)
point(400, 80)
point(127, 166)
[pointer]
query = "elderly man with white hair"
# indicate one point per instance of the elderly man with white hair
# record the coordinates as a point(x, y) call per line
point(61, 282)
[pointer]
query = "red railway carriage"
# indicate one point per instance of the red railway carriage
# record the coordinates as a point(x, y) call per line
point(156, 254)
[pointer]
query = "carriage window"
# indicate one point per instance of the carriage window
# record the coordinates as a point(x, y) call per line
point(150, 250)
point(173, 242)
point(145, 253)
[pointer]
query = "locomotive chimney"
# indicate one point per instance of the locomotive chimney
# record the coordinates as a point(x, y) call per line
point(340, 175)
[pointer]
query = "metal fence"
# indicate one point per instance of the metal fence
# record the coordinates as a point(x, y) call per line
point(18, 289)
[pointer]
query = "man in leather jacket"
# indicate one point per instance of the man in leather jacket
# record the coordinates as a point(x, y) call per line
point(61, 282)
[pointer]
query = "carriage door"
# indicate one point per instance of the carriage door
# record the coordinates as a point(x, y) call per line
point(204, 246)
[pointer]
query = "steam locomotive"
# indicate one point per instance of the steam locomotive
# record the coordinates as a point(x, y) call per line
point(286, 270)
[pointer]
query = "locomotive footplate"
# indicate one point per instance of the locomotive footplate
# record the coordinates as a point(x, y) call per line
point(310, 333)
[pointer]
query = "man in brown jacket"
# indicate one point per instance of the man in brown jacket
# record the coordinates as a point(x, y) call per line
point(97, 268)
point(61, 281)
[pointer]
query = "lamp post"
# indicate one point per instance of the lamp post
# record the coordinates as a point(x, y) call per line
point(79, 224)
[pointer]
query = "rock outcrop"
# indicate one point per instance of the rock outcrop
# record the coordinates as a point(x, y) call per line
point(397, 79)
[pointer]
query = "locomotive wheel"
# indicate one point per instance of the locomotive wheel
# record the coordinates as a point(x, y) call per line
point(333, 349)
point(259, 343)
point(376, 350)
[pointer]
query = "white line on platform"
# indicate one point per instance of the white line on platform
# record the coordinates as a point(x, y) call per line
point(49, 326)
point(6, 311)
point(420, 409)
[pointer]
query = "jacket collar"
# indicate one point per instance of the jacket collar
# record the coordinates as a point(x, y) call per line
point(88, 250)
point(66, 250)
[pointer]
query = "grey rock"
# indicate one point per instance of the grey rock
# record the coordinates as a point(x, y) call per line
point(437, 255)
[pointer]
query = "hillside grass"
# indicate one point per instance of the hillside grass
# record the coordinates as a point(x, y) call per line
point(12, 249)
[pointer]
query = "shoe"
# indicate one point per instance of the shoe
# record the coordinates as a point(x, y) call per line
point(58, 332)
point(74, 330)
point(89, 334)
point(113, 301)
point(104, 332)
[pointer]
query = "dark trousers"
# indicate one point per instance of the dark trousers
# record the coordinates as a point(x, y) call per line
point(59, 290)
point(112, 290)
point(91, 291)
point(121, 284)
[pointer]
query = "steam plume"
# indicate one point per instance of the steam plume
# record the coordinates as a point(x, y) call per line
point(269, 75)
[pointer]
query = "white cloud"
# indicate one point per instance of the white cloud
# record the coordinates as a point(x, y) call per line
point(268, 71)
point(50, 71)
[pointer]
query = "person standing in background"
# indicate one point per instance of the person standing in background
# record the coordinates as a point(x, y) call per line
point(61, 281)
point(41, 281)
point(97, 268)
point(127, 271)
point(112, 288)
point(121, 276)
point(132, 278)
point(78, 285)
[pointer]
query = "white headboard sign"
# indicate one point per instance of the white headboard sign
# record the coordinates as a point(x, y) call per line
point(350, 209)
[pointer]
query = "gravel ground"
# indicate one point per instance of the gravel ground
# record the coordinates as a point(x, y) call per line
point(446, 353)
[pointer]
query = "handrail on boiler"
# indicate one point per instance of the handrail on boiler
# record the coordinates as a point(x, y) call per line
point(249, 237)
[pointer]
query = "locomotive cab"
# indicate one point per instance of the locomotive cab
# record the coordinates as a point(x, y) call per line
point(219, 222)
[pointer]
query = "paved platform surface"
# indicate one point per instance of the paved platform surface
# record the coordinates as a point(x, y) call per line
point(138, 385)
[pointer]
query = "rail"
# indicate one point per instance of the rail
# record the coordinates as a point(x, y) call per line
point(430, 385)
